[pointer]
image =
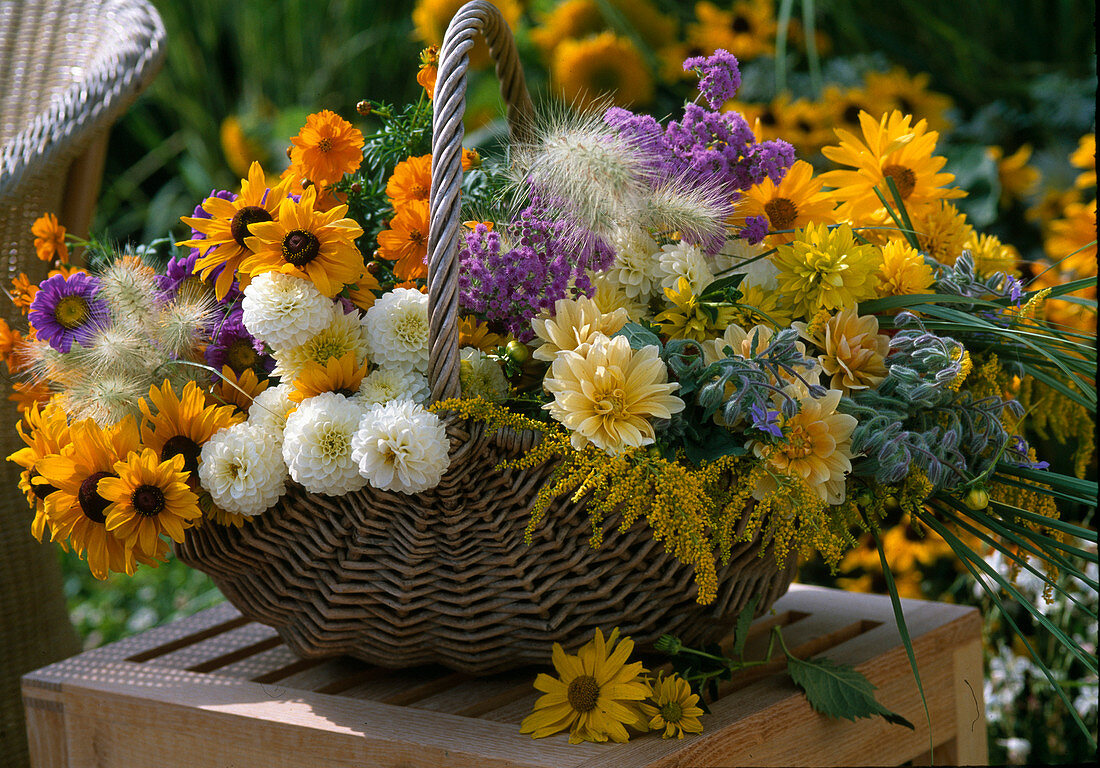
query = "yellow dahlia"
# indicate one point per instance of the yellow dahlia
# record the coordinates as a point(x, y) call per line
point(675, 709)
point(584, 71)
point(904, 271)
point(608, 394)
point(341, 375)
point(853, 351)
point(46, 433)
point(759, 305)
point(686, 318)
point(593, 695)
point(816, 446)
point(149, 497)
point(991, 255)
point(223, 245)
point(574, 324)
point(181, 425)
point(76, 511)
point(942, 232)
point(792, 204)
point(890, 148)
point(326, 148)
point(306, 243)
point(826, 269)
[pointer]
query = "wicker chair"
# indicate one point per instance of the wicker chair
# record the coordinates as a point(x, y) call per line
point(68, 68)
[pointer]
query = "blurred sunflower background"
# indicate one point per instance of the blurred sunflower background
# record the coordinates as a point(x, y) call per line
point(1009, 86)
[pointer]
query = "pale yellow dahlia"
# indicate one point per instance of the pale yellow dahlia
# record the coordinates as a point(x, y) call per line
point(607, 394)
point(573, 325)
point(853, 351)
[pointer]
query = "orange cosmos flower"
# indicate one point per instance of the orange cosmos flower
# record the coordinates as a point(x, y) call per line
point(22, 292)
point(49, 239)
point(326, 148)
point(406, 241)
point(411, 180)
point(429, 68)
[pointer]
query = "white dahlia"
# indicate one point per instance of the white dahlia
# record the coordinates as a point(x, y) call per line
point(317, 444)
point(684, 260)
point(284, 311)
point(636, 267)
point(481, 376)
point(393, 383)
point(240, 471)
point(270, 408)
point(342, 332)
point(401, 446)
point(397, 326)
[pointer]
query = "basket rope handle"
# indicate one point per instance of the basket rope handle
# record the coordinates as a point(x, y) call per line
point(477, 17)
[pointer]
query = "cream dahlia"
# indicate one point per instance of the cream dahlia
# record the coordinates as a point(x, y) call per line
point(269, 410)
point(283, 310)
point(341, 333)
point(393, 383)
point(573, 325)
point(401, 446)
point(317, 444)
point(240, 471)
point(397, 326)
point(481, 376)
point(607, 394)
point(635, 268)
point(684, 260)
point(853, 351)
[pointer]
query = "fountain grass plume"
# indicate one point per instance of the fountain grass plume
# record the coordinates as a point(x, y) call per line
point(179, 326)
point(699, 212)
point(129, 287)
point(107, 399)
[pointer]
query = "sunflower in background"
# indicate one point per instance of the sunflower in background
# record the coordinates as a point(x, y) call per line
point(431, 17)
point(583, 71)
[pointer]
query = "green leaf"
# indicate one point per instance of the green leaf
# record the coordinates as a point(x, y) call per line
point(744, 621)
point(640, 336)
point(838, 690)
point(710, 444)
point(720, 288)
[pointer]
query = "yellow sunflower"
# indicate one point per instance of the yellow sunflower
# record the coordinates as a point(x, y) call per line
point(760, 306)
point(76, 511)
point(746, 30)
point(46, 433)
point(826, 268)
point(326, 148)
point(230, 224)
point(307, 243)
point(49, 239)
point(362, 294)
point(340, 375)
point(891, 147)
point(431, 17)
point(237, 392)
point(594, 694)
point(1017, 177)
point(897, 89)
point(572, 19)
point(584, 71)
point(148, 497)
point(792, 204)
point(1084, 158)
point(474, 333)
point(844, 105)
point(675, 708)
point(181, 425)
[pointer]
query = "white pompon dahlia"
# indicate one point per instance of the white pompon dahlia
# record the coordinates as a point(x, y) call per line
point(397, 326)
point(317, 444)
point(636, 266)
point(343, 332)
point(240, 471)
point(684, 260)
point(284, 311)
point(392, 383)
point(270, 408)
point(401, 446)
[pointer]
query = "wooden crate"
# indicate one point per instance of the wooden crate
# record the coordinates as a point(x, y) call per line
point(216, 690)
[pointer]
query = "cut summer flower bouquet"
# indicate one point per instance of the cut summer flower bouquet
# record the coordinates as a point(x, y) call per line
point(667, 328)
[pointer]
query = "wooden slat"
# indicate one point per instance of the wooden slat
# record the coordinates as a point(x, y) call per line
point(220, 649)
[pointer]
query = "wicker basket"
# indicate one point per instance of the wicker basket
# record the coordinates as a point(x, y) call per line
point(444, 576)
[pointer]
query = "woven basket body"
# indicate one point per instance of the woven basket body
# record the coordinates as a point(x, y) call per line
point(445, 576)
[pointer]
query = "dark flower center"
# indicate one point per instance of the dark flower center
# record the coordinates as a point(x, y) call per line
point(583, 693)
point(325, 145)
point(148, 500)
point(767, 117)
point(418, 192)
point(181, 445)
point(672, 712)
point(91, 503)
point(905, 105)
point(740, 24)
point(40, 490)
point(240, 356)
point(781, 212)
point(904, 179)
point(250, 214)
point(803, 125)
point(416, 237)
point(71, 312)
point(851, 114)
point(300, 247)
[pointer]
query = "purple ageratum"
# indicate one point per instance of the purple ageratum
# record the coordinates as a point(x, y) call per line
point(719, 76)
point(231, 344)
point(510, 286)
point(67, 310)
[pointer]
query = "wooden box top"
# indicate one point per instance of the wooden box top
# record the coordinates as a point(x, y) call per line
point(218, 690)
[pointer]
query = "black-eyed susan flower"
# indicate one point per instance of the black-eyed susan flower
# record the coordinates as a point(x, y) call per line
point(793, 203)
point(326, 148)
point(238, 391)
point(341, 375)
point(148, 498)
point(587, 70)
point(594, 694)
point(45, 432)
point(746, 29)
point(182, 424)
point(222, 245)
point(307, 243)
point(674, 709)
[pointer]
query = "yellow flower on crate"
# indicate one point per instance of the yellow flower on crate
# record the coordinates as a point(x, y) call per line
point(675, 708)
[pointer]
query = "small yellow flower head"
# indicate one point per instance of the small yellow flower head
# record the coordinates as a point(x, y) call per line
point(942, 232)
point(685, 319)
point(674, 709)
point(608, 394)
point(904, 271)
point(827, 269)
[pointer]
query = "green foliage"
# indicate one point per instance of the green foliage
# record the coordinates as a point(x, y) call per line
point(838, 690)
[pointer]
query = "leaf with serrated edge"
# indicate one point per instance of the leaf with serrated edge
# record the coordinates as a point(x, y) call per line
point(838, 690)
point(744, 621)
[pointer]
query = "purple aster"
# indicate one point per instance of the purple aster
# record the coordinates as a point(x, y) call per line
point(719, 76)
point(231, 344)
point(68, 309)
point(766, 420)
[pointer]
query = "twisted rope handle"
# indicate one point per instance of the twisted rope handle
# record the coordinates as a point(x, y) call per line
point(477, 17)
